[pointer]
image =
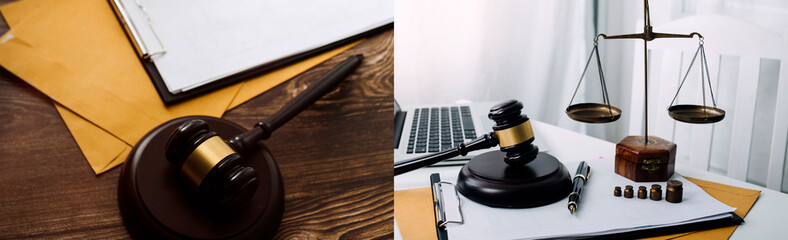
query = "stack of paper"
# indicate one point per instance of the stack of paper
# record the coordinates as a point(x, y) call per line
point(76, 53)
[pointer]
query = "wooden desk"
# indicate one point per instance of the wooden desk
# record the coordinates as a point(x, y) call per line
point(335, 159)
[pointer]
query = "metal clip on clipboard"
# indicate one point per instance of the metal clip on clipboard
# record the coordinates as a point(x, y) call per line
point(437, 201)
point(128, 25)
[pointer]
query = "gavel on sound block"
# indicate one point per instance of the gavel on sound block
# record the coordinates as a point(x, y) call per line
point(216, 168)
point(517, 176)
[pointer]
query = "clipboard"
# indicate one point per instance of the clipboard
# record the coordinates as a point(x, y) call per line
point(147, 55)
point(440, 206)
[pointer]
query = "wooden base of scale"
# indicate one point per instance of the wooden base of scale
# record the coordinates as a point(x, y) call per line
point(641, 161)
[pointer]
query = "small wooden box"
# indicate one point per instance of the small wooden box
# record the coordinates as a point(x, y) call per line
point(653, 162)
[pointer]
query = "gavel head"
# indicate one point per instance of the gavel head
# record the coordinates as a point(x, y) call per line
point(211, 166)
point(514, 133)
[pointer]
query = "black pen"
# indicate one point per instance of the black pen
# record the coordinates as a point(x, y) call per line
point(583, 172)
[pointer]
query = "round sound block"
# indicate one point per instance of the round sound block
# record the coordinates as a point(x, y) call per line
point(488, 180)
point(156, 203)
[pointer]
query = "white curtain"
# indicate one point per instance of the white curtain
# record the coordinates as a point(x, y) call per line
point(480, 50)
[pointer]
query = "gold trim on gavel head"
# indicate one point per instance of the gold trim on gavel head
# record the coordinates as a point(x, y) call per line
point(515, 135)
point(204, 158)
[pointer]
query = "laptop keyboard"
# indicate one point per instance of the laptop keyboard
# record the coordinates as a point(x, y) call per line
point(438, 129)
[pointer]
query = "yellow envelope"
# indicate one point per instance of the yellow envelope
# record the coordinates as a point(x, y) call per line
point(415, 215)
point(741, 198)
point(76, 53)
point(14, 12)
point(90, 138)
point(102, 150)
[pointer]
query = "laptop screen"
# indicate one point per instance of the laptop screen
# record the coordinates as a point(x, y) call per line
point(396, 107)
point(399, 120)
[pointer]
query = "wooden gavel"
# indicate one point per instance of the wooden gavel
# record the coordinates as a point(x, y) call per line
point(216, 168)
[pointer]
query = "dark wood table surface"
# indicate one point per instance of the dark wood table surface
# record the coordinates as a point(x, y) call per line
point(335, 159)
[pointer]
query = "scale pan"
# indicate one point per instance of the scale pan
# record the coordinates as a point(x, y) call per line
point(593, 113)
point(696, 113)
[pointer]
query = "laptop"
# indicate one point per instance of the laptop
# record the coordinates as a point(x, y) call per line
point(430, 128)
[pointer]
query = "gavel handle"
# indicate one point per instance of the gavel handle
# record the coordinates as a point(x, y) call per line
point(317, 90)
point(483, 142)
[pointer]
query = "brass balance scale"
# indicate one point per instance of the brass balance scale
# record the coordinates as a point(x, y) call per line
point(644, 158)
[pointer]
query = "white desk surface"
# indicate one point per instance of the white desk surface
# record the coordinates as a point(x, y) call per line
point(766, 219)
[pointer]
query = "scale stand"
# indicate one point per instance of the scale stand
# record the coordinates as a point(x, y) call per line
point(645, 158)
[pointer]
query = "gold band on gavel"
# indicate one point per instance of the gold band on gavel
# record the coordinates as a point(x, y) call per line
point(204, 157)
point(514, 135)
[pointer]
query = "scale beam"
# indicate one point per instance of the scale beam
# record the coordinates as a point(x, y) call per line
point(648, 36)
point(673, 35)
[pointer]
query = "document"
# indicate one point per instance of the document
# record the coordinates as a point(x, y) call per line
point(599, 212)
point(201, 41)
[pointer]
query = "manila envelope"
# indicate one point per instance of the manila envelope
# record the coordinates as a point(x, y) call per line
point(77, 54)
point(741, 198)
point(415, 214)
